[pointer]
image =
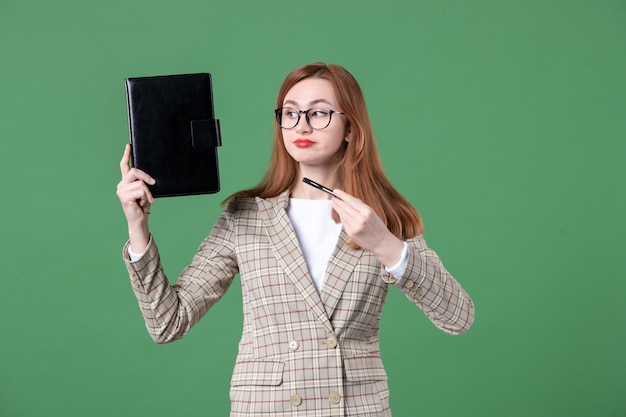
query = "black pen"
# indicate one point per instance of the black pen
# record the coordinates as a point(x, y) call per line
point(320, 187)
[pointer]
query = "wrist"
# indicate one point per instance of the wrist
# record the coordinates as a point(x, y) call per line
point(139, 236)
point(389, 250)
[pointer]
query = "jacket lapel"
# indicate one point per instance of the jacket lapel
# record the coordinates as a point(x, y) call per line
point(287, 250)
point(339, 270)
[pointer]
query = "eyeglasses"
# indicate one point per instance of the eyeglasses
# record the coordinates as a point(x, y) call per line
point(317, 119)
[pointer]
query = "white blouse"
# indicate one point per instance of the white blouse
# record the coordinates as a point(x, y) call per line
point(317, 233)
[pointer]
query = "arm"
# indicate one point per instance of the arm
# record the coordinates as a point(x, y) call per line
point(170, 311)
point(425, 280)
point(430, 286)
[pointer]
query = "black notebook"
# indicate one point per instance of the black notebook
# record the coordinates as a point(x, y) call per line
point(174, 133)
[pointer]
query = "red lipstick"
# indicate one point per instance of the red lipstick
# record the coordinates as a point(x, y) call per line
point(303, 143)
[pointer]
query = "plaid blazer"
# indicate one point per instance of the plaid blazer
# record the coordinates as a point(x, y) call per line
point(301, 353)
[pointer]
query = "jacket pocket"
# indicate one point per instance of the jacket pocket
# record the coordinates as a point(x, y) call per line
point(364, 368)
point(257, 372)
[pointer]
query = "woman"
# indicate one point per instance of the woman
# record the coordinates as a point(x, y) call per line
point(314, 268)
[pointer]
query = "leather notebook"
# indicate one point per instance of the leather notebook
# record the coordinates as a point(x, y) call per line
point(174, 133)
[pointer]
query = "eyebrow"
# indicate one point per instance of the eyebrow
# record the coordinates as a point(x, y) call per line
point(319, 100)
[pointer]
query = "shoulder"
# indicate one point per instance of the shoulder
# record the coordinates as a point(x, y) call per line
point(240, 207)
point(242, 203)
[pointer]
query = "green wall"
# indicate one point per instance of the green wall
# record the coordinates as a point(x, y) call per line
point(504, 122)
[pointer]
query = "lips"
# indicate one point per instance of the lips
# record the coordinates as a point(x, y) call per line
point(303, 143)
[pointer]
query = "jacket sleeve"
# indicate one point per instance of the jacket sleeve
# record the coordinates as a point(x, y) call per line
point(170, 311)
point(430, 286)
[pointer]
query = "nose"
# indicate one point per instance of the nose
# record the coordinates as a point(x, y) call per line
point(303, 124)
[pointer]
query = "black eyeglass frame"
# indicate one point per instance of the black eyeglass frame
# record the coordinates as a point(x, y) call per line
point(279, 118)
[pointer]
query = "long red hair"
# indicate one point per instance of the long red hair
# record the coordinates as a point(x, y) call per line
point(360, 171)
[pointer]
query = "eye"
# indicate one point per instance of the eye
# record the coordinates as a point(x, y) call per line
point(318, 113)
point(290, 113)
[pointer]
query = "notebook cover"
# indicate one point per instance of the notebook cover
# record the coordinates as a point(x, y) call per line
point(174, 133)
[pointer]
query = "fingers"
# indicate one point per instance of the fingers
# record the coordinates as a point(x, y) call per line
point(342, 194)
point(125, 162)
point(133, 174)
point(136, 192)
point(353, 213)
point(347, 198)
point(359, 220)
point(136, 200)
point(349, 205)
point(134, 187)
point(132, 190)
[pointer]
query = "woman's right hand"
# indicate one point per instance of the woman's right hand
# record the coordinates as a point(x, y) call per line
point(136, 200)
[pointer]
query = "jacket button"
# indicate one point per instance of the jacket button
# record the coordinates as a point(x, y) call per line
point(296, 400)
point(334, 398)
point(293, 345)
point(331, 343)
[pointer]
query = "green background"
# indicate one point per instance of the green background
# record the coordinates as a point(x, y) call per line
point(502, 121)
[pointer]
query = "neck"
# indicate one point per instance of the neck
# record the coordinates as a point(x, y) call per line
point(324, 176)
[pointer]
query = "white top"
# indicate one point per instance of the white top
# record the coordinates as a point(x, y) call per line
point(317, 234)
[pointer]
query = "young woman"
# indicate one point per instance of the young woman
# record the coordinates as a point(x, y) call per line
point(314, 268)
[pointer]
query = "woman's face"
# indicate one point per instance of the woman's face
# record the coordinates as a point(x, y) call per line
point(308, 146)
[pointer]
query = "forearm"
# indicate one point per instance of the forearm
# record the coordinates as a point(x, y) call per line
point(171, 310)
point(139, 235)
point(158, 300)
point(430, 286)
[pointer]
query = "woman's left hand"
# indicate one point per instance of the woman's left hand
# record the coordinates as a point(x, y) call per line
point(366, 229)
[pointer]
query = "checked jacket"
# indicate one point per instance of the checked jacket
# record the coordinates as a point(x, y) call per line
point(301, 353)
